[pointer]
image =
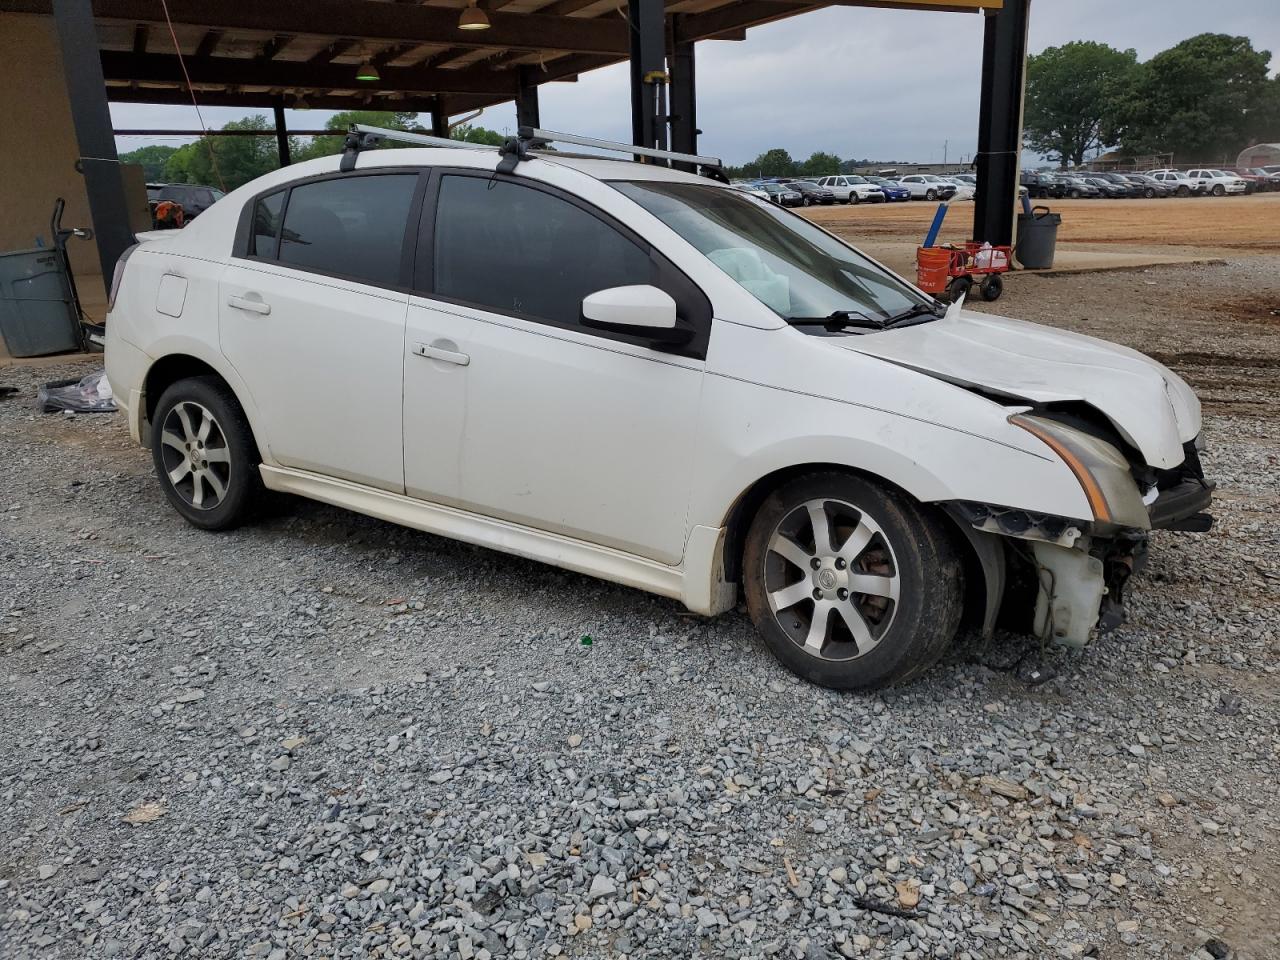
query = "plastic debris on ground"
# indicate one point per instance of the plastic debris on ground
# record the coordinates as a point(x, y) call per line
point(89, 394)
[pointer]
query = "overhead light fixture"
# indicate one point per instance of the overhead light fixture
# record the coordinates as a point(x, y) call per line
point(368, 73)
point(473, 18)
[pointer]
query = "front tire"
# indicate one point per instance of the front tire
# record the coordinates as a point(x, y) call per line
point(1219, 190)
point(204, 453)
point(851, 584)
point(931, 194)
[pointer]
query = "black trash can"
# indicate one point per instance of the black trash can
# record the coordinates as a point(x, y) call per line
point(1037, 238)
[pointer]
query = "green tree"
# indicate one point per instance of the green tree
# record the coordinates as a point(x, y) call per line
point(1264, 118)
point(227, 162)
point(341, 123)
point(1196, 99)
point(474, 134)
point(772, 163)
point(152, 159)
point(1073, 97)
point(820, 164)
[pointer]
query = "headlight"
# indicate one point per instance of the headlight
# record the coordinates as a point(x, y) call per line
point(1101, 469)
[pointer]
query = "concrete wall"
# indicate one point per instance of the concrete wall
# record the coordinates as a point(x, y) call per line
point(38, 145)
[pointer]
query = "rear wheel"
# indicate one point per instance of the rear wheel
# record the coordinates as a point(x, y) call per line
point(204, 453)
point(851, 584)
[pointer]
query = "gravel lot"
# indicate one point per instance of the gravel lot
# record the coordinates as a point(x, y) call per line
point(326, 736)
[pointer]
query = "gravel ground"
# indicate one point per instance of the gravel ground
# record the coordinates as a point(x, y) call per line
point(325, 736)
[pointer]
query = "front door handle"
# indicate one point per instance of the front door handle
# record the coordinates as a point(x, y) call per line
point(432, 352)
point(249, 304)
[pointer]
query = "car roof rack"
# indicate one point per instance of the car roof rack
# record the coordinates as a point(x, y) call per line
point(523, 146)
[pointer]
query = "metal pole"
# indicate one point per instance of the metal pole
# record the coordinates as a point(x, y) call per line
point(648, 70)
point(684, 98)
point(527, 114)
point(1004, 58)
point(91, 117)
point(282, 134)
point(439, 118)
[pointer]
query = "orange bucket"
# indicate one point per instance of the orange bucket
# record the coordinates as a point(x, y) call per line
point(932, 268)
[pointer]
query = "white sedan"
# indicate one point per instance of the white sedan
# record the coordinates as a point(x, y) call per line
point(644, 375)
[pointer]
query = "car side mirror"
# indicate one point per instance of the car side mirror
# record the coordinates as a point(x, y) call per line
point(641, 310)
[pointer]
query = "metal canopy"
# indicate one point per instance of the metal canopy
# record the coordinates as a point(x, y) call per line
point(261, 54)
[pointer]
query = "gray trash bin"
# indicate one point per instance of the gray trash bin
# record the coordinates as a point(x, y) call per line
point(37, 312)
point(1037, 238)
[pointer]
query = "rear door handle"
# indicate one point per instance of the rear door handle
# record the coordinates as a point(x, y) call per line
point(432, 352)
point(251, 305)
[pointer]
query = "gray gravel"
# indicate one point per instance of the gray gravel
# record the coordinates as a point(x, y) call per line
point(325, 736)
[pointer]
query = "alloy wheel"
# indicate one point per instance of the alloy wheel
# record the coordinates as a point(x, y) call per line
point(196, 457)
point(832, 580)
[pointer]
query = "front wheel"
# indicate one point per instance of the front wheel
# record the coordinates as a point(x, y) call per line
point(854, 197)
point(851, 584)
point(1219, 190)
point(1184, 191)
point(204, 453)
point(931, 194)
point(992, 287)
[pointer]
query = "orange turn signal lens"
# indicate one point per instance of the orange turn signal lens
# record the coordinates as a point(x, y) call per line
point(1092, 492)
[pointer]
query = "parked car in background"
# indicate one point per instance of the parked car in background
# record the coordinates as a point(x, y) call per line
point(892, 190)
point(852, 189)
point(927, 186)
point(752, 189)
point(1109, 190)
point(194, 198)
point(1043, 186)
point(1130, 189)
point(1149, 186)
point(640, 374)
point(782, 194)
point(1253, 182)
point(1219, 183)
point(1178, 182)
point(1079, 188)
point(811, 193)
point(964, 190)
point(1267, 181)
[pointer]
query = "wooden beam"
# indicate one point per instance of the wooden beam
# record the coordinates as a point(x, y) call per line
point(273, 46)
point(368, 20)
point(164, 68)
point(140, 33)
point(370, 100)
point(208, 43)
point(334, 50)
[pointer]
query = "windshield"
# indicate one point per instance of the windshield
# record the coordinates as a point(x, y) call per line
point(784, 261)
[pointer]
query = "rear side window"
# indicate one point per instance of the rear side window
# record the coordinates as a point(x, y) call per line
point(266, 226)
point(517, 249)
point(351, 226)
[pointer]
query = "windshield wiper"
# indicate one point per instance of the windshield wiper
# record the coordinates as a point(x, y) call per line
point(839, 319)
point(914, 313)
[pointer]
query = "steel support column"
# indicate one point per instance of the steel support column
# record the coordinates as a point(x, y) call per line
point(527, 114)
point(439, 119)
point(1004, 59)
point(648, 72)
point(91, 117)
point(282, 133)
point(684, 97)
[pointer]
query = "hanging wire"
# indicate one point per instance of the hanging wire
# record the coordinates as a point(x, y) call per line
point(213, 159)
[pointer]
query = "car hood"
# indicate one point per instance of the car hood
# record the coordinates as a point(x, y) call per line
point(1149, 405)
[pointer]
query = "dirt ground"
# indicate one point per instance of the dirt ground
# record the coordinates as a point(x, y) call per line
point(1221, 224)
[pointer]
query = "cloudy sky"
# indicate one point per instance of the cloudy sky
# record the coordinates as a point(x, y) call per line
point(860, 83)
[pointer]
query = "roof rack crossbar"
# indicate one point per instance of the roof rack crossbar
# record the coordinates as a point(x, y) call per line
point(551, 136)
point(423, 139)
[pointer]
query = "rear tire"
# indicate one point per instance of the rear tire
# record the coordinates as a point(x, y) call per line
point(869, 537)
point(204, 453)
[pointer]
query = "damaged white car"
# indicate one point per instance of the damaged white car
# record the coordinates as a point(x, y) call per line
point(647, 376)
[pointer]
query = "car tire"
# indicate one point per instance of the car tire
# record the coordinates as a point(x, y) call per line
point(893, 630)
point(804, 201)
point(854, 197)
point(931, 194)
point(1184, 191)
point(1073, 194)
point(1149, 193)
point(204, 454)
point(1219, 190)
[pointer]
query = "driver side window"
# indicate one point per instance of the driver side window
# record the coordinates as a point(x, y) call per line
point(520, 250)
